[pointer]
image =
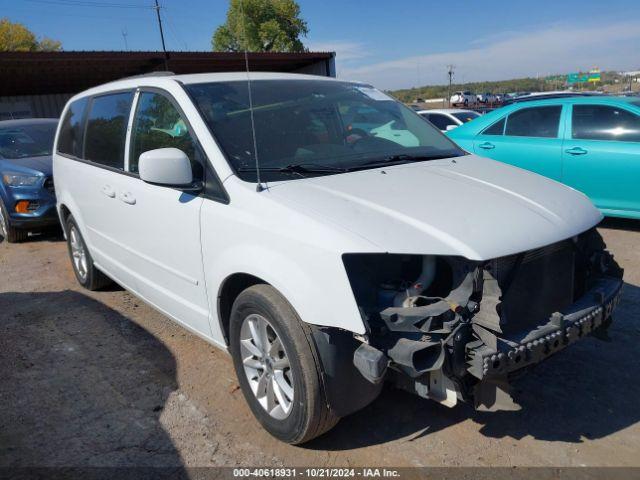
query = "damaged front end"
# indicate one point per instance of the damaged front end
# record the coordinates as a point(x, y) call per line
point(451, 329)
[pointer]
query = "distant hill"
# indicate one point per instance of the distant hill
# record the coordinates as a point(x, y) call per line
point(502, 86)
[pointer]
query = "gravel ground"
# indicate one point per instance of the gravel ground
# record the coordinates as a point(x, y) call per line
point(101, 379)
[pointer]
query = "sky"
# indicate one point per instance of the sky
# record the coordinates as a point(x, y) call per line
point(391, 44)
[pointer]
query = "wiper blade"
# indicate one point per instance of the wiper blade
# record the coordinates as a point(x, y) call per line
point(396, 159)
point(299, 168)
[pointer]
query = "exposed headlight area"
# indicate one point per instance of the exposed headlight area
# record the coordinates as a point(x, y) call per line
point(452, 329)
point(15, 179)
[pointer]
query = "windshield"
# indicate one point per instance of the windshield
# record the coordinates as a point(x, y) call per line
point(27, 140)
point(326, 126)
point(465, 117)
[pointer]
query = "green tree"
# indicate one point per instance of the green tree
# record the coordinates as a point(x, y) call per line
point(15, 37)
point(261, 26)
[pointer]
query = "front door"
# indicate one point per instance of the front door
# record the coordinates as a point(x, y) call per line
point(528, 138)
point(160, 226)
point(601, 157)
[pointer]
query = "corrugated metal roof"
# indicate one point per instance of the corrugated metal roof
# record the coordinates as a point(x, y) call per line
point(29, 73)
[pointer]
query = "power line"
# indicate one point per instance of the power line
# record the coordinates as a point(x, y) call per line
point(86, 3)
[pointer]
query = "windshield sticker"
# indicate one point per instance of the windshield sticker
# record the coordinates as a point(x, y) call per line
point(374, 94)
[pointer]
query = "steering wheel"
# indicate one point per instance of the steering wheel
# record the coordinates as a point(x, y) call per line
point(356, 135)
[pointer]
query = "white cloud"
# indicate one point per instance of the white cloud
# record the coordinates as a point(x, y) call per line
point(555, 49)
point(345, 51)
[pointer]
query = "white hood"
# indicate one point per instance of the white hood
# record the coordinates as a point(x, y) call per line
point(469, 206)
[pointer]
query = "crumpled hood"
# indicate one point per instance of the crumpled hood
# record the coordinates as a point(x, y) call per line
point(469, 206)
point(42, 164)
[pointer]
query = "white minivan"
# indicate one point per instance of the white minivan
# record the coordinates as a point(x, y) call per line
point(329, 238)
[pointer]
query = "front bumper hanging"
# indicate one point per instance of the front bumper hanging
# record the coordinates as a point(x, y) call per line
point(584, 317)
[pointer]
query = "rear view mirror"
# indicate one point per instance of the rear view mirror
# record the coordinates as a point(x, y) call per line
point(451, 127)
point(166, 166)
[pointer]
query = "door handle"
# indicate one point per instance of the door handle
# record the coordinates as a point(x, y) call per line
point(128, 198)
point(487, 145)
point(576, 151)
point(109, 191)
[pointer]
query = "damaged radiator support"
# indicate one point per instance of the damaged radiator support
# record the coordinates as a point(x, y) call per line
point(500, 317)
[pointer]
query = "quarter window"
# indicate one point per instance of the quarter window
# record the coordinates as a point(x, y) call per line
point(534, 122)
point(158, 124)
point(107, 128)
point(495, 129)
point(601, 122)
point(71, 130)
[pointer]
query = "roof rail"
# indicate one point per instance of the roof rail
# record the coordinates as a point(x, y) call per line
point(159, 73)
point(550, 96)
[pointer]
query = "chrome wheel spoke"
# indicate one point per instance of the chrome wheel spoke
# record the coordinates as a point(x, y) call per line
point(259, 334)
point(271, 396)
point(283, 386)
point(254, 363)
point(251, 347)
point(275, 347)
point(281, 364)
point(261, 387)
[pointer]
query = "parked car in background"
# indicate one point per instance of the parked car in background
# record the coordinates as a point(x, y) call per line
point(486, 97)
point(591, 143)
point(448, 118)
point(27, 198)
point(465, 98)
point(345, 260)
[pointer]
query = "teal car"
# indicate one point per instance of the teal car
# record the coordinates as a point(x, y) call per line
point(589, 143)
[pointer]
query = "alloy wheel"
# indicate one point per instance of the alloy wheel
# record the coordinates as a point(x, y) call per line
point(266, 366)
point(78, 253)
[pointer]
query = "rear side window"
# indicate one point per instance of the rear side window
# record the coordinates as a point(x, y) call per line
point(534, 122)
point(71, 130)
point(440, 121)
point(158, 124)
point(106, 129)
point(602, 122)
point(495, 129)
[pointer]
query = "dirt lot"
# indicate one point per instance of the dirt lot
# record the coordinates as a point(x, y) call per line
point(102, 379)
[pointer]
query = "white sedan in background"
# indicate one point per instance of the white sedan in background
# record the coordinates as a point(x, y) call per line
point(448, 118)
point(486, 97)
point(465, 98)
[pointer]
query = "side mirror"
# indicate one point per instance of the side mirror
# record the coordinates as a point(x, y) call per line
point(451, 127)
point(165, 166)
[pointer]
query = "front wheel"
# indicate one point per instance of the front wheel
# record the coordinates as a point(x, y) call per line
point(12, 235)
point(278, 367)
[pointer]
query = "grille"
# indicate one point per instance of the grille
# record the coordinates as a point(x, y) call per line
point(543, 283)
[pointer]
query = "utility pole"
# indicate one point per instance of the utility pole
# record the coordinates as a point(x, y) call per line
point(124, 35)
point(164, 49)
point(450, 73)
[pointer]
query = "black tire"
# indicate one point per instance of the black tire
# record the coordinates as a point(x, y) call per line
point(309, 416)
point(466, 102)
point(93, 279)
point(9, 233)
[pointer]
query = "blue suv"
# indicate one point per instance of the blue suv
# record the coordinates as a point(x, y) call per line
point(27, 197)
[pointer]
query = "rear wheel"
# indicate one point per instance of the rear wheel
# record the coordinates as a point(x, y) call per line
point(278, 367)
point(12, 235)
point(87, 274)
